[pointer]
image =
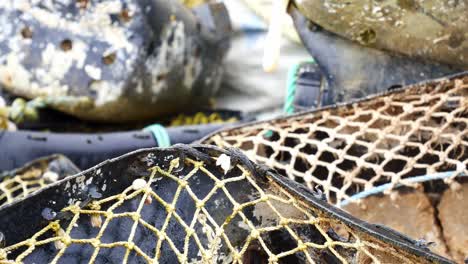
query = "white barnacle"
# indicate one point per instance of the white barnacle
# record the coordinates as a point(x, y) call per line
point(96, 220)
point(224, 161)
point(58, 243)
point(138, 184)
point(50, 176)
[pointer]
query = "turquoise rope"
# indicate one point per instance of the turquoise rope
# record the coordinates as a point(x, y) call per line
point(291, 87)
point(159, 134)
point(382, 188)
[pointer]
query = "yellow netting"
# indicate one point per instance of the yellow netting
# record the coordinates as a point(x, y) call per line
point(347, 149)
point(23, 184)
point(208, 217)
point(193, 3)
point(200, 118)
point(3, 115)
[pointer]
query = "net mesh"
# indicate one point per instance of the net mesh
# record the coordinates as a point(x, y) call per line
point(198, 214)
point(33, 177)
point(387, 139)
point(19, 186)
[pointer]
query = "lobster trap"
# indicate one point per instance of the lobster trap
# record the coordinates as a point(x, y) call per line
point(192, 205)
point(386, 139)
point(390, 149)
point(20, 183)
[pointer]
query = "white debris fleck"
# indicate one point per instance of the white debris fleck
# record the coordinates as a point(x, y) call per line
point(13, 74)
point(105, 92)
point(138, 184)
point(192, 71)
point(11, 126)
point(93, 72)
point(109, 7)
point(80, 180)
point(89, 181)
point(50, 176)
point(57, 62)
point(224, 161)
point(170, 54)
point(243, 225)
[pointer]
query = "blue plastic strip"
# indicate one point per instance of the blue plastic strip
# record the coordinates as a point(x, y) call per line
point(160, 135)
point(383, 188)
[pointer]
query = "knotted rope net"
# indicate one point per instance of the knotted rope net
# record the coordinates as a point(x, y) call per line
point(402, 138)
point(181, 205)
point(33, 177)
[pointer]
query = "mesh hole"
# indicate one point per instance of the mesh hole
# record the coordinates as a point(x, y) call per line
point(219, 205)
point(123, 224)
point(320, 172)
point(176, 232)
point(309, 149)
point(395, 165)
point(320, 135)
point(111, 255)
point(281, 241)
point(265, 151)
point(77, 253)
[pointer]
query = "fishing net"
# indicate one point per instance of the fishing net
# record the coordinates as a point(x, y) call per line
point(192, 205)
point(402, 138)
point(34, 176)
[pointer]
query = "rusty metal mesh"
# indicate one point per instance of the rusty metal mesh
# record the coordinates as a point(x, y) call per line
point(226, 225)
point(388, 139)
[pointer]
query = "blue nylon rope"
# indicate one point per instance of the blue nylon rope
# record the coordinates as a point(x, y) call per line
point(159, 134)
point(291, 87)
point(418, 179)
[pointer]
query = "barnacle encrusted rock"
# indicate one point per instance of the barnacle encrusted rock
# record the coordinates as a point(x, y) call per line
point(431, 29)
point(112, 60)
point(410, 213)
point(453, 215)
